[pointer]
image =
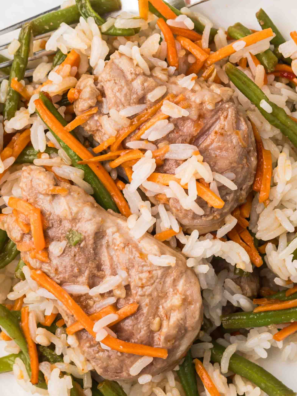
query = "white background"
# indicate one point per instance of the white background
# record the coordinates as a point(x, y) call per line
point(222, 13)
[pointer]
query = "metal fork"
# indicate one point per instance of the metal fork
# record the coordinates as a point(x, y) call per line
point(127, 5)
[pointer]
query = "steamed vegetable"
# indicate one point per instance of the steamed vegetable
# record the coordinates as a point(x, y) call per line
point(29, 154)
point(9, 254)
point(252, 372)
point(187, 376)
point(7, 362)
point(111, 388)
point(3, 239)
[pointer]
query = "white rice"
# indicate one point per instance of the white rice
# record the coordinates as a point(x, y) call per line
point(140, 365)
point(173, 110)
point(109, 283)
point(162, 261)
point(265, 106)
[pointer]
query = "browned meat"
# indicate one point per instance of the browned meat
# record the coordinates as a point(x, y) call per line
point(169, 299)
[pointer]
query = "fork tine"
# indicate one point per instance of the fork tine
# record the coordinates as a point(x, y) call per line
point(20, 24)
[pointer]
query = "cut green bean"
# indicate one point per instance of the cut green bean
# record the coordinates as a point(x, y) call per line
point(111, 388)
point(252, 372)
point(187, 376)
point(268, 59)
point(29, 154)
point(70, 15)
point(48, 355)
point(101, 195)
point(17, 71)
point(7, 362)
point(282, 296)
point(59, 58)
point(198, 26)
point(19, 270)
point(86, 10)
point(3, 239)
point(9, 253)
point(277, 117)
point(246, 320)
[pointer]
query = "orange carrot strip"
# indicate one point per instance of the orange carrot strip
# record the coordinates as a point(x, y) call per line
point(103, 146)
point(289, 292)
point(248, 239)
point(60, 323)
point(294, 36)
point(149, 124)
point(208, 72)
point(41, 256)
point(143, 9)
point(132, 155)
point(20, 88)
point(190, 34)
point(81, 119)
point(18, 304)
point(193, 48)
point(57, 191)
point(160, 152)
point(23, 226)
point(83, 318)
point(49, 320)
point(277, 306)
point(283, 67)
point(267, 175)
point(165, 235)
point(25, 246)
point(205, 378)
point(245, 209)
point(204, 192)
point(229, 49)
point(240, 220)
point(129, 172)
point(104, 157)
point(234, 236)
point(73, 94)
point(77, 326)
point(172, 56)
point(163, 9)
point(286, 332)
point(5, 337)
point(121, 185)
point(195, 67)
point(243, 63)
point(262, 249)
point(257, 63)
point(34, 363)
point(84, 153)
point(137, 121)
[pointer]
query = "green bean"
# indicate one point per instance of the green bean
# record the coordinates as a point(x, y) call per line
point(86, 10)
point(3, 239)
point(111, 388)
point(17, 71)
point(19, 270)
point(7, 362)
point(9, 254)
point(101, 195)
point(252, 372)
point(266, 23)
point(48, 355)
point(267, 58)
point(70, 15)
point(198, 26)
point(29, 154)
point(59, 58)
point(277, 117)
point(244, 320)
point(95, 391)
point(282, 296)
point(4, 70)
point(187, 376)
point(76, 390)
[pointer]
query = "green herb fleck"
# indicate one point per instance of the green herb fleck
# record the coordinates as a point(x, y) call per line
point(74, 237)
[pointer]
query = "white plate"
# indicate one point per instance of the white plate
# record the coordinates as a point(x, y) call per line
point(223, 13)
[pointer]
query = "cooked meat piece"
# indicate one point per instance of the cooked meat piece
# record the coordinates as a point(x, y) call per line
point(170, 308)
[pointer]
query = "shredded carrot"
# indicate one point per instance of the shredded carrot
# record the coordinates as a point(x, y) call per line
point(81, 119)
point(60, 323)
point(121, 185)
point(267, 175)
point(50, 144)
point(248, 239)
point(20, 88)
point(208, 72)
point(204, 192)
point(84, 153)
point(137, 121)
point(5, 337)
point(264, 301)
point(165, 235)
point(104, 157)
point(23, 226)
point(294, 36)
point(72, 59)
point(34, 363)
point(35, 219)
point(193, 48)
point(172, 56)
point(73, 94)
point(57, 191)
point(253, 254)
point(132, 155)
point(240, 220)
point(279, 306)
point(195, 67)
point(286, 332)
point(243, 63)
point(262, 249)
point(41, 256)
point(163, 9)
point(205, 378)
point(160, 152)
point(9, 306)
point(77, 326)
point(18, 304)
point(103, 146)
point(121, 346)
point(245, 209)
point(289, 292)
point(283, 67)
point(129, 172)
point(49, 320)
point(229, 49)
point(25, 246)
point(190, 34)
point(143, 9)
point(257, 63)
